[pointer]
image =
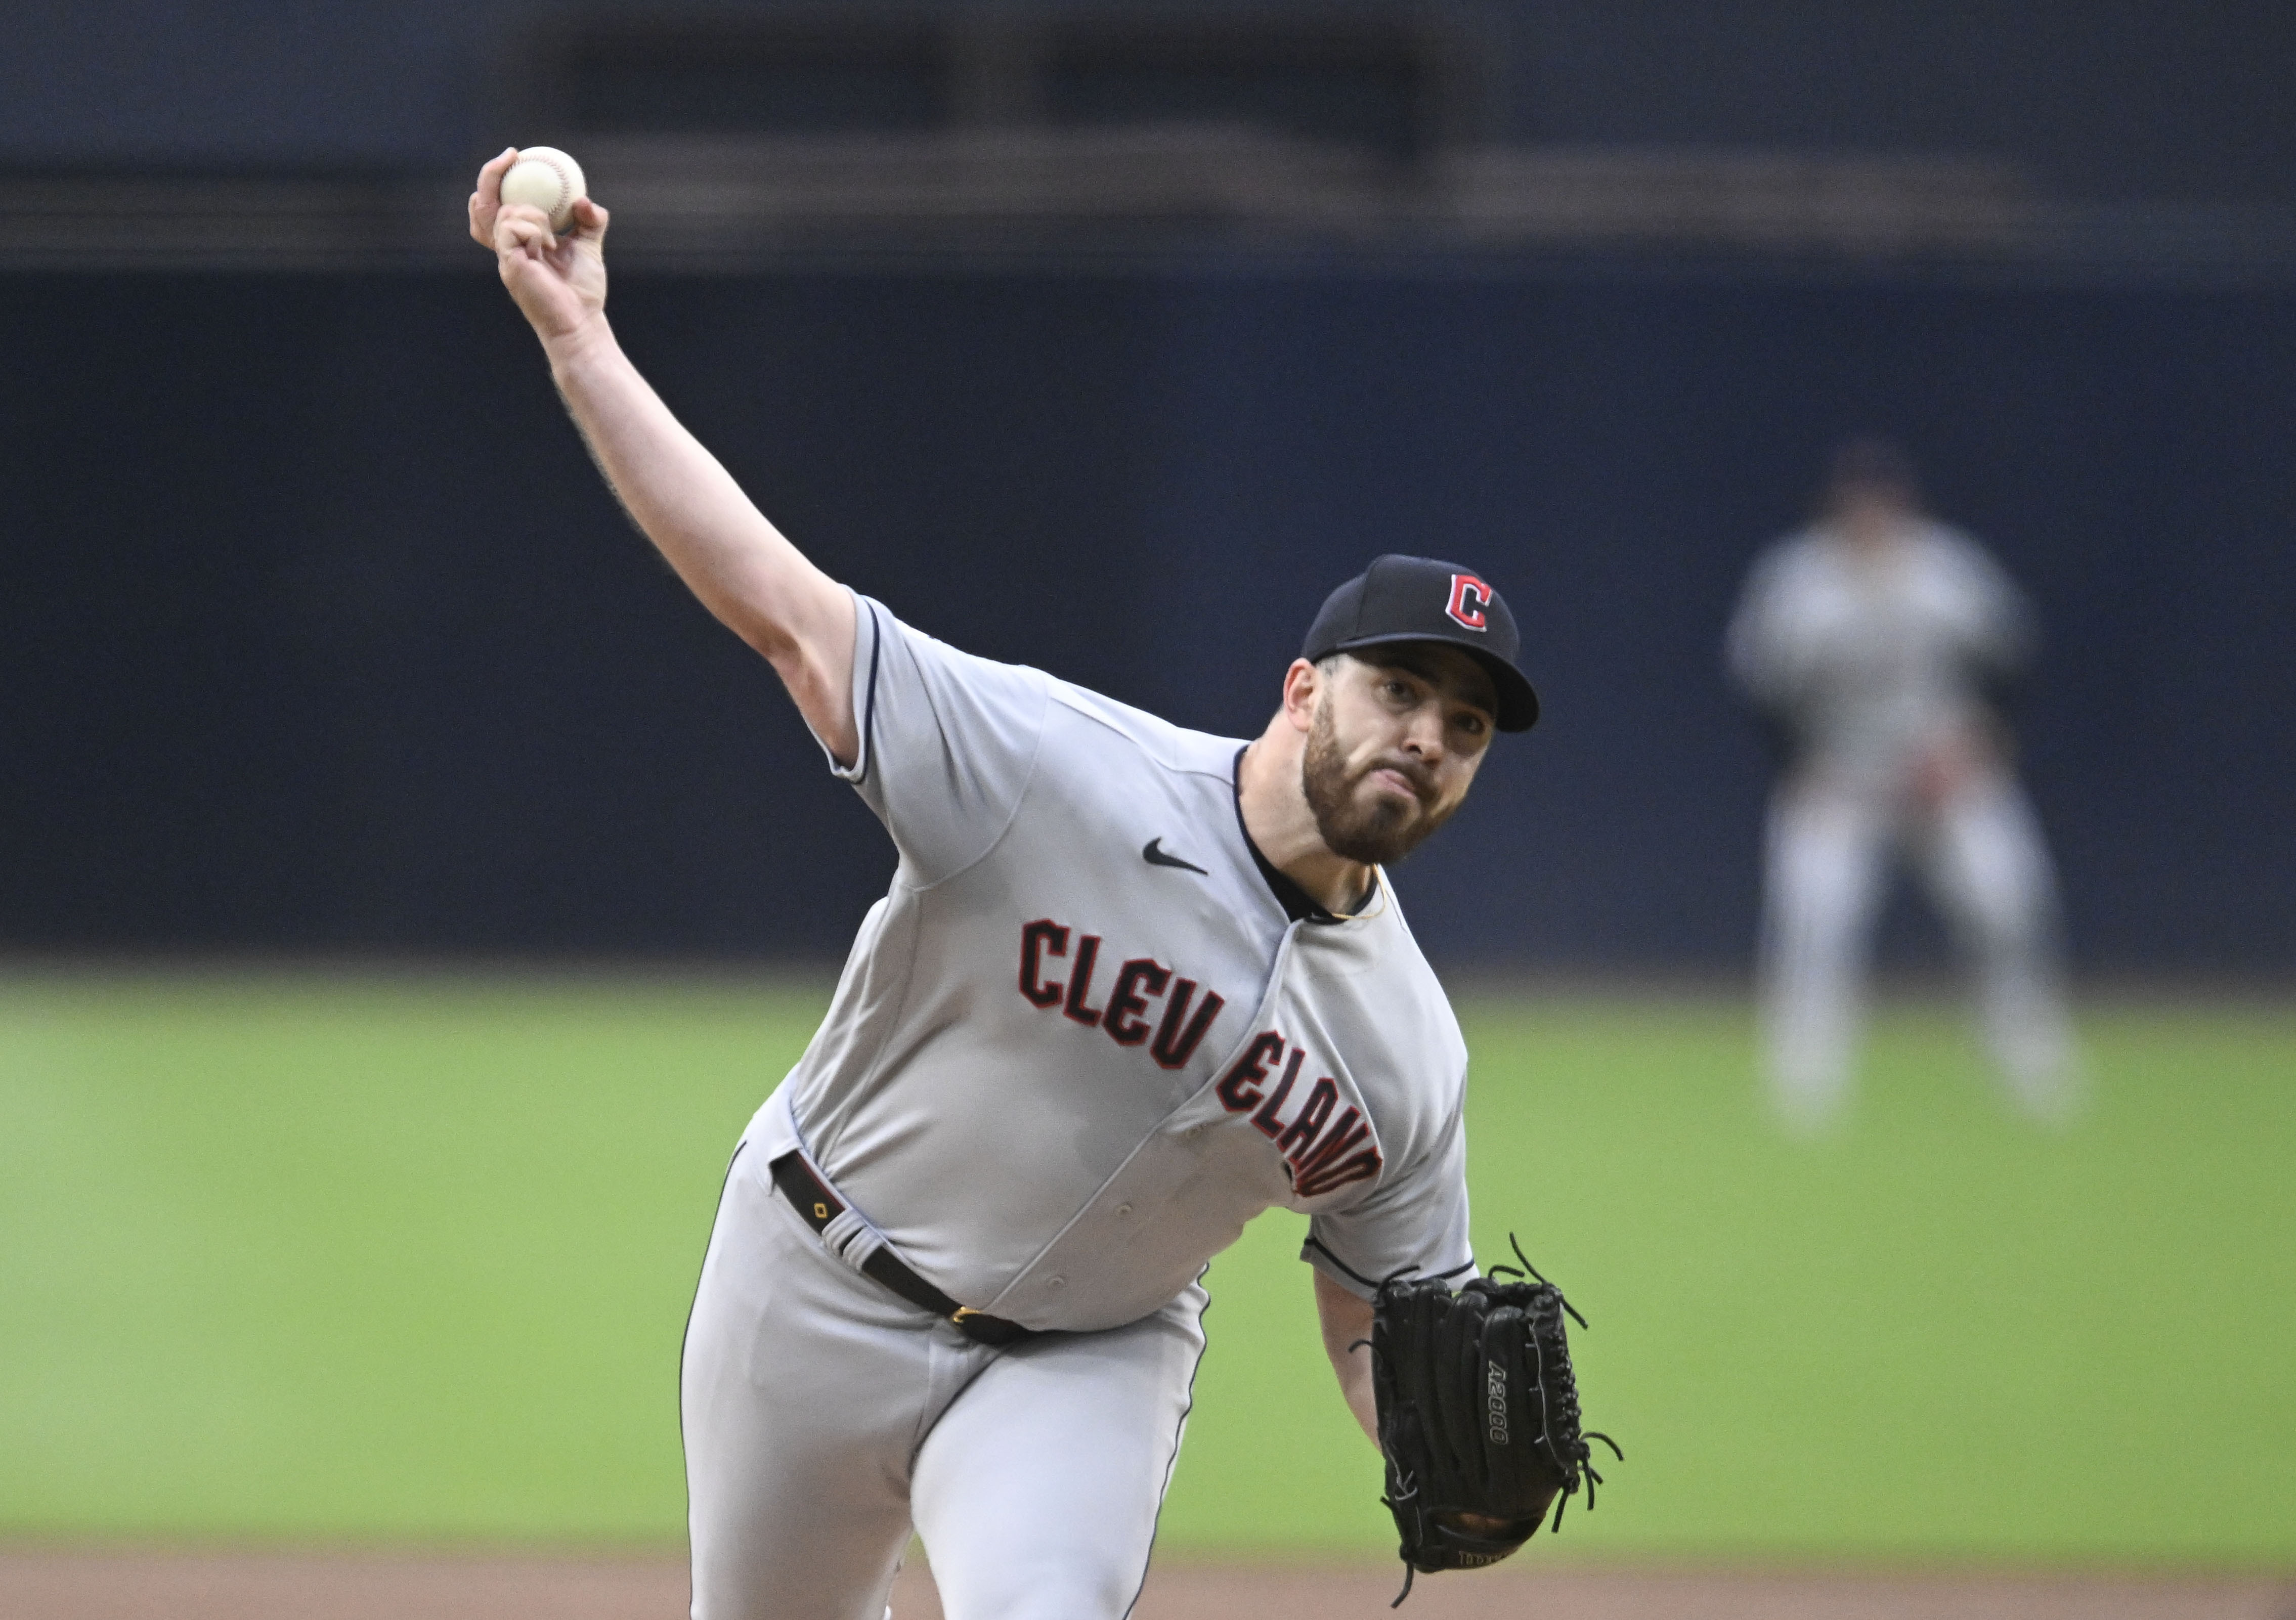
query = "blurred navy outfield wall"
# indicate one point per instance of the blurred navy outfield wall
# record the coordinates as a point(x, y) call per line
point(2136, 98)
point(318, 631)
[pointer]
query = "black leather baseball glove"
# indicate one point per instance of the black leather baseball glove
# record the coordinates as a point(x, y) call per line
point(1478, 1416)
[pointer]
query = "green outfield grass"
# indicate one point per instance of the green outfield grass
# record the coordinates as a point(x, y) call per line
point(302, 1257)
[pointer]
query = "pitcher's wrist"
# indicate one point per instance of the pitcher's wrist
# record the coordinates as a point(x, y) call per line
point(577, 349)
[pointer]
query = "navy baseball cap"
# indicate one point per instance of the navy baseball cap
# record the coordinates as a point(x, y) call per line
point(1418, 598)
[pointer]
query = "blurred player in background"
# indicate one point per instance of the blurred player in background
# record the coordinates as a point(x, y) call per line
point(1871, 639)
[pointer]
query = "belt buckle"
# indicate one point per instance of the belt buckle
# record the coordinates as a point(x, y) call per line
point(962, 1314)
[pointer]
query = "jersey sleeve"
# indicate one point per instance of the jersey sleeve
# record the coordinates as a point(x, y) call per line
point(1414, 1224)
point(1993, 620)
point(1766, 650)
point(948, 741)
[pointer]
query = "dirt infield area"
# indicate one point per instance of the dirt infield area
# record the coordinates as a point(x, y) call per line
point(79, 1585)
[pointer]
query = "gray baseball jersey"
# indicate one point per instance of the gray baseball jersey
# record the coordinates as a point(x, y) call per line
point(1869, 658)
point(1089, 1034)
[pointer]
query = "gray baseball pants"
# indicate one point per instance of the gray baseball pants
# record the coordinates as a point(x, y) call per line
point(824, 1418)
point(1982, 855)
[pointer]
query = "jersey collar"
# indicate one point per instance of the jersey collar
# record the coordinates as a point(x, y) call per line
point(1298, 904)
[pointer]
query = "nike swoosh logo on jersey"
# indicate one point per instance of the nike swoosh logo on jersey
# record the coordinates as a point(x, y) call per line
point(1155, 856)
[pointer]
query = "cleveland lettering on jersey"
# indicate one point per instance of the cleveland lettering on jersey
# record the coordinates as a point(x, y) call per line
point(1087, 957)
point(1317, 1160)
point(1124, 1017)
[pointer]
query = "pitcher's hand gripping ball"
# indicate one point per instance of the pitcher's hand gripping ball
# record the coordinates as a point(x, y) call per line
point(1478, 1416)
point(545, 179)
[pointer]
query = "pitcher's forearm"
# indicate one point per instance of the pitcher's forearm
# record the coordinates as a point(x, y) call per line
point(1346, 1321)
point(743, 569)
point(1354, 1385)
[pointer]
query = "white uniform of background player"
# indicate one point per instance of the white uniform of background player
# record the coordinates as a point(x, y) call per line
point(1870, 637)
point(1132, 986)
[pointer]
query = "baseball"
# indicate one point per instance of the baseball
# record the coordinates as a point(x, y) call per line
point(545, 179)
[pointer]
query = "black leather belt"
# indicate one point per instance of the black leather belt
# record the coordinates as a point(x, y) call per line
point(819, 1206)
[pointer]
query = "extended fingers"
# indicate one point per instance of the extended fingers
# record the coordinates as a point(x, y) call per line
point(486, 200)
point(490, 175)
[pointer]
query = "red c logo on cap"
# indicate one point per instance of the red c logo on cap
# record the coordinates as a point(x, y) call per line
point(1469, 597)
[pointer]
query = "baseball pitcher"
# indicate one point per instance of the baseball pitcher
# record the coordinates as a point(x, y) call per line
point(1131, 986)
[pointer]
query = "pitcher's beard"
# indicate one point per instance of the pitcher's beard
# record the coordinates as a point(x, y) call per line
point(1379, 833)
